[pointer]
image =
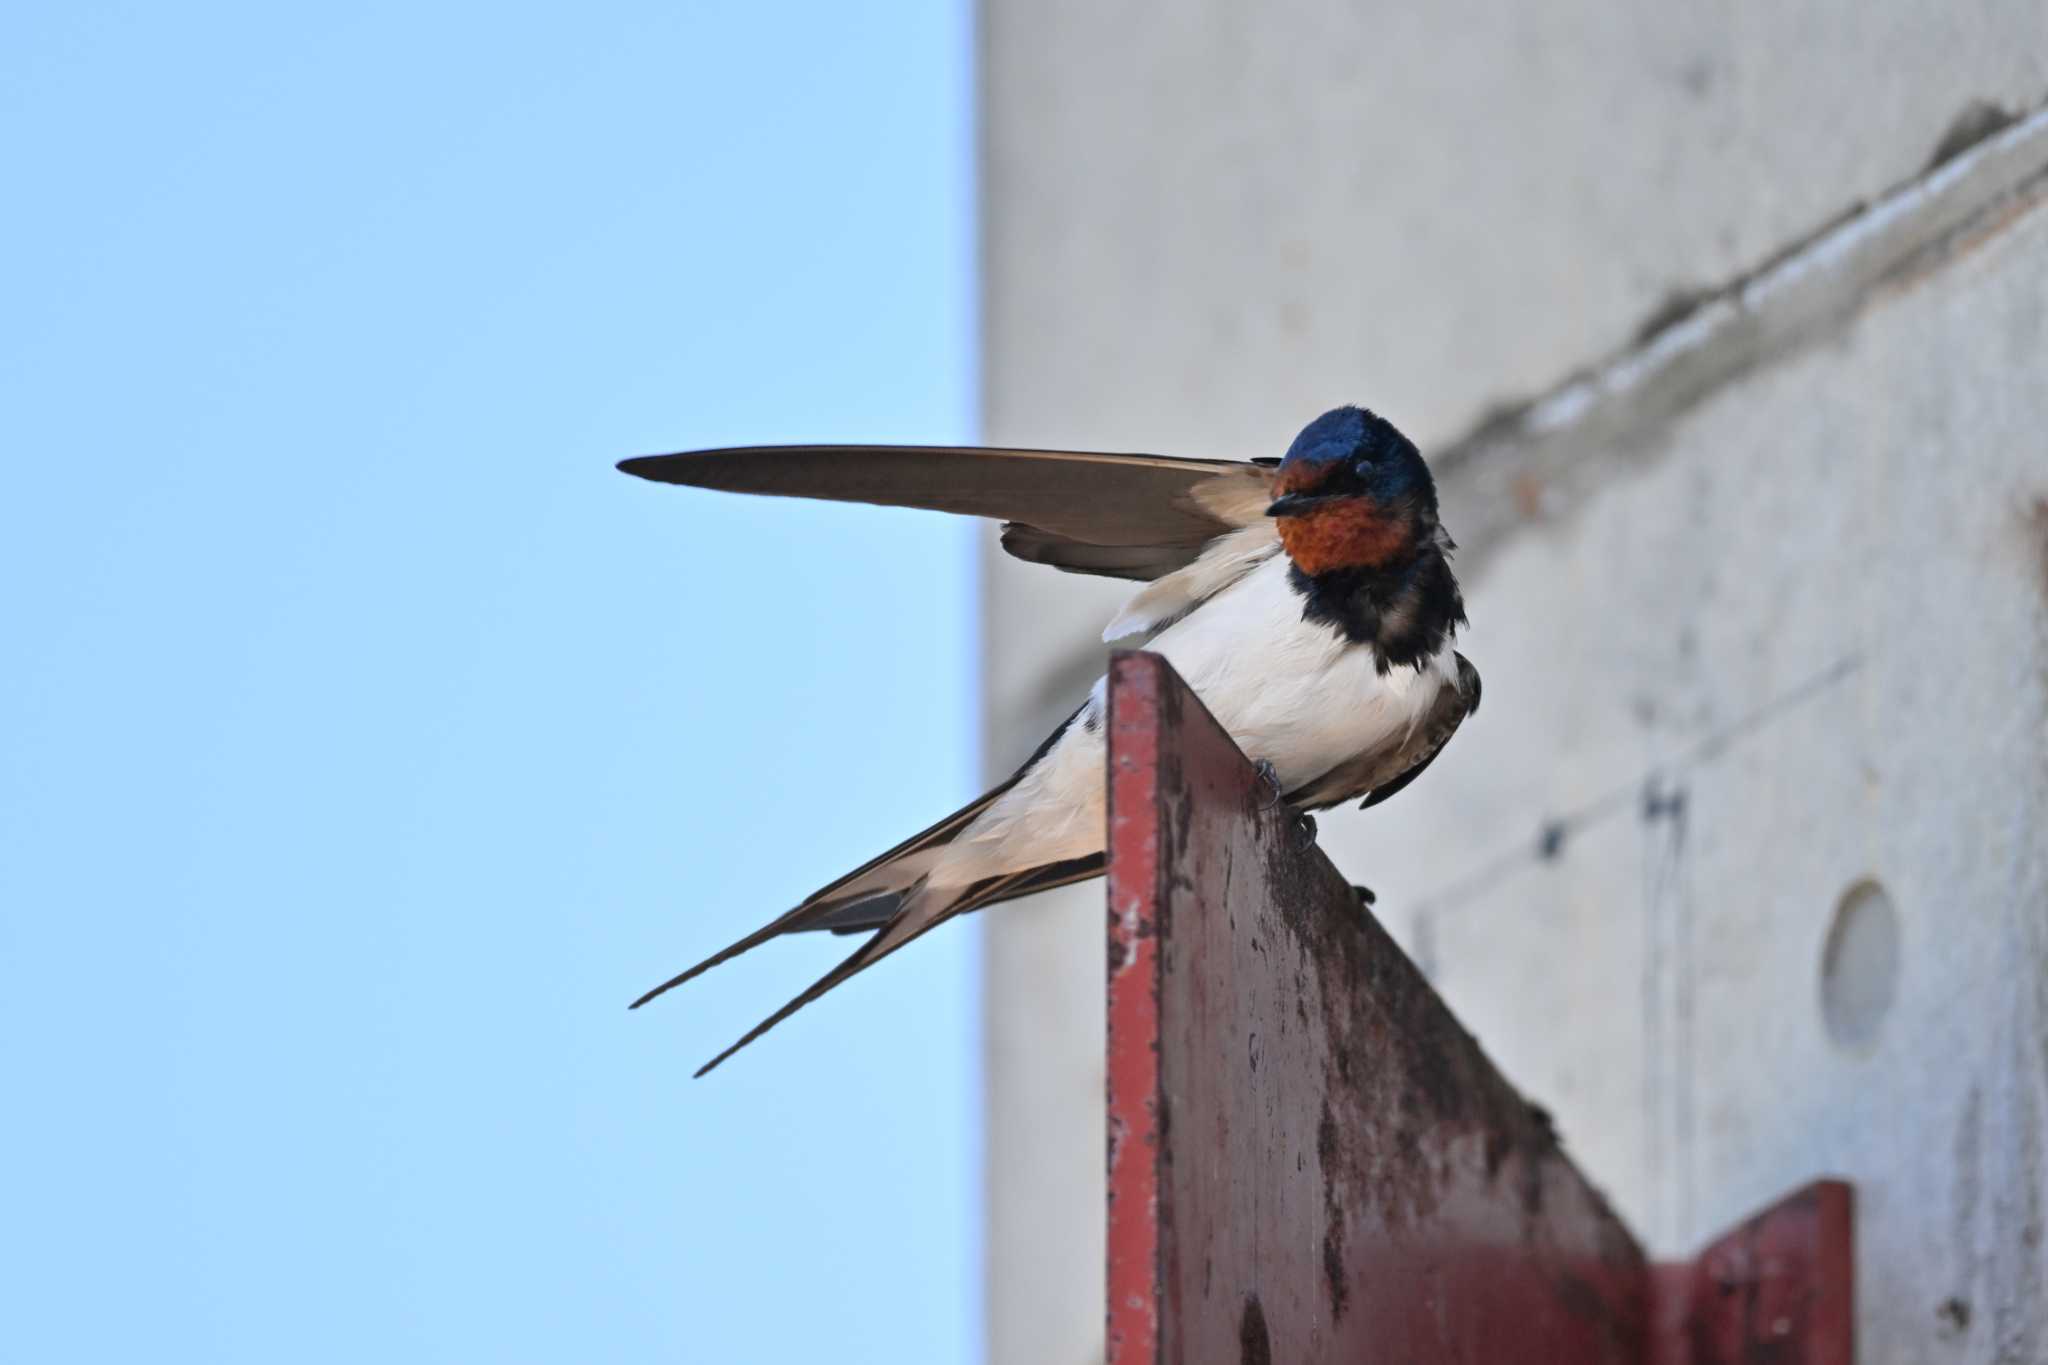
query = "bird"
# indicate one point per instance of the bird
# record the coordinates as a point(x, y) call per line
point(1308, 600)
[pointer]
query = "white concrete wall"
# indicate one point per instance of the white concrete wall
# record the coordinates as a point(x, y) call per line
point(1802, 645)
point(1824, 499)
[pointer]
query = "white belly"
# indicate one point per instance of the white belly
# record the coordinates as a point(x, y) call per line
point(1290, 692)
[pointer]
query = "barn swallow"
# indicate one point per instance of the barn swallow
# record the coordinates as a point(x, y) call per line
point(1308, 601)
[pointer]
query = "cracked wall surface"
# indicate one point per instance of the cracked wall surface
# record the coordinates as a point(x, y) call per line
point(1761, 598)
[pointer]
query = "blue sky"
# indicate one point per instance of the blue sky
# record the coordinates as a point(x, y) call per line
point(369, 743)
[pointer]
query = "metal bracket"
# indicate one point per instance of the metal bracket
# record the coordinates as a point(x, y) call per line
point(1776, 1291)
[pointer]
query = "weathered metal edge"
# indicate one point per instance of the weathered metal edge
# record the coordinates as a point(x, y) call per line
point(1134, 1151)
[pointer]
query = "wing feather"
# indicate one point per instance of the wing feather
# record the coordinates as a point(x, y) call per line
point(913, 921)
point(1125, 516)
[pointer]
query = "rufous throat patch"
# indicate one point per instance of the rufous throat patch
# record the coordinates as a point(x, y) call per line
point(1351, 534)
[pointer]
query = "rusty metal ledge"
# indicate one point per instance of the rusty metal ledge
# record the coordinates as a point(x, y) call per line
point(1310, 1159)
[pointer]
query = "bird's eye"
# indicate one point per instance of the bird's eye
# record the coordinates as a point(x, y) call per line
point(1362, 463)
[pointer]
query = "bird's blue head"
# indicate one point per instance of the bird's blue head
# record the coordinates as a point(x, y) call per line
point(1352, 493)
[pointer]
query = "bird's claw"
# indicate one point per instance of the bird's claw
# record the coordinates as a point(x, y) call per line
point(1365, 896)
point(1269, 778)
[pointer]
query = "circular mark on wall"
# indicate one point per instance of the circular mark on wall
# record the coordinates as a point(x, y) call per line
point(1859, 967)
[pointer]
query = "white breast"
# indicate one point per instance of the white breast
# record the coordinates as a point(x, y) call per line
point(1291, 692)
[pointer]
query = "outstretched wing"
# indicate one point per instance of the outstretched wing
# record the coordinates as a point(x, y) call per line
point(1123, 516)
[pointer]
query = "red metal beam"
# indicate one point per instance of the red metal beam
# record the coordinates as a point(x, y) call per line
point(1311, 1161)
point(1776, 1291)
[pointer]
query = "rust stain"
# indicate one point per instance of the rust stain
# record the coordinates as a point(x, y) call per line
point(1254, 1342)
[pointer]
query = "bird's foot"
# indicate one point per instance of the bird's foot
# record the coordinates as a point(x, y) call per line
point(1269, 779)
point(1365, 897)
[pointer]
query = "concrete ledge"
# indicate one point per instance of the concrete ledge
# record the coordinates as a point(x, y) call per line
point(1534, 461)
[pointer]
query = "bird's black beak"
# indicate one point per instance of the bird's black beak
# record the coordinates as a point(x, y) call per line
point(1294, 504)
